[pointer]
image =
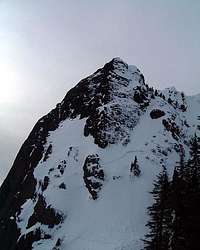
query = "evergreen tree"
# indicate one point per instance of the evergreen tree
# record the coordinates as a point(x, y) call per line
point(170, 100)
point(192, 203)
point(183, 106)
point(160, 212)
point(175, 215)
point(194, 161)
point(186, 201)
point(198, 127)
point(180, 167)
point(135, 169)
point(178, 195)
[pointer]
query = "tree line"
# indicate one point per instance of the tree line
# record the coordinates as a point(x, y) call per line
point(174, 222)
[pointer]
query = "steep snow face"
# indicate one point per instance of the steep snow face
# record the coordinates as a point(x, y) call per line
point(83, 194)
point(117, 218)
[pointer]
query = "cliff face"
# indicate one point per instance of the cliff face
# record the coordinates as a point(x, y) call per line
point(71, 187)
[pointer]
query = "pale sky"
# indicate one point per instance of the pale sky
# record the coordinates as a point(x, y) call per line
point(47, 46)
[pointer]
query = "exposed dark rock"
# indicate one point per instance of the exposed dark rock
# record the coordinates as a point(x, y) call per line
point(51, 170)
point(44, 214)
point(156, 113)
point(93, 175)
point(116, 177)
point(58, 244)
point(45, 183)
point(20, 183)
point(48, 152)
point(142, 96)
point(172, 127)
point(62, 186)
point(111, 127)
point(26, 241)
point(62, 167)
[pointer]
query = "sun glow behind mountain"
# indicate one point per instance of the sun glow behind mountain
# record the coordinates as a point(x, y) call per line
point(9, 87)
point(6, 93)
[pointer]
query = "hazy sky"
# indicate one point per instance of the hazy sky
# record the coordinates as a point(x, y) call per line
point(47, 46)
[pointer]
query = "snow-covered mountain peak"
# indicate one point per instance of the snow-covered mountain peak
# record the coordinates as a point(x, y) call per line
point(118, 60)
point(117, 67)
point(118, 63)
point(107, 98)
point(73, 185)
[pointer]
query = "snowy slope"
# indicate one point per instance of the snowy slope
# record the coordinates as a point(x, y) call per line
point(120, 127)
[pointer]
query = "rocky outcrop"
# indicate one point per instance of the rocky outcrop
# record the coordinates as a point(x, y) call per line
point(156, 113)
point(26, 241)
point(93, 175)
point(172, 127)
point(44, 214)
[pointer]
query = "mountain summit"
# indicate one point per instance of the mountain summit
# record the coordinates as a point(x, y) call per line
point(82, 179)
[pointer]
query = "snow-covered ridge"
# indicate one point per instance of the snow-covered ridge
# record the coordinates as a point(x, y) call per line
point(71, 183)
